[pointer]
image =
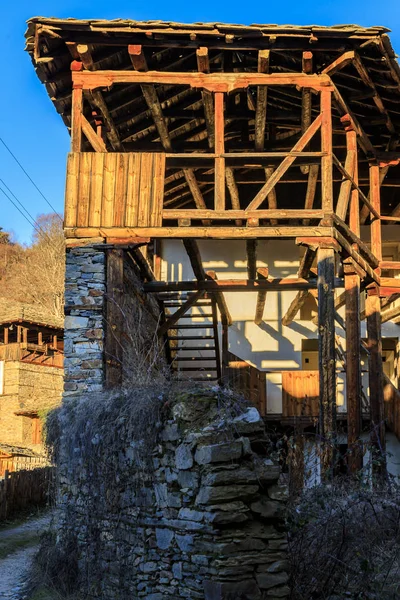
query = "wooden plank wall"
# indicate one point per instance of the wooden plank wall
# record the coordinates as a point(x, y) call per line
point(21, 489)
point(300, 393)
point(114, 189)
point(249, 381)
point(391, 396)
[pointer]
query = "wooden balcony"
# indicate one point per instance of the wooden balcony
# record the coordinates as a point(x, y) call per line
point(32, 353)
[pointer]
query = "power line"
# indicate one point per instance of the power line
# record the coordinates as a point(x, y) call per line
point(30, 178)
point(19, 210)
point(23, 207)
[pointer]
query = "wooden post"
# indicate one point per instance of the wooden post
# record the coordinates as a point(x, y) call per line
point(115, 321)
point(353, 368)
point(19, 331)
point(157, 260)
point(327, 363)
point(375, 198)
point(326, 146)
point(375, 364)
point(25, 335)
point(55, 342)
point(40, 338)
point(296, 462)
point(6, 335)
point(76, 119)
point(225, 350)
point(219, 189)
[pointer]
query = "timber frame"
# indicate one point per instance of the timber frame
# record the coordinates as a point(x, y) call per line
point(211, 131)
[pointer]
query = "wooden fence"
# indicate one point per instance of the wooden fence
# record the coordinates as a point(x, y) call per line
point(21, 463)
point(249, 381)
point(24, 489)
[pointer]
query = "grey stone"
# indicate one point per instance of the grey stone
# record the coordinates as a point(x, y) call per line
point(170, 433)
point(278, 492)
point(270, 580)
point(245, 590)
point(177, 570)
point(185, 542)
point(183, 457)
point(281, 592)
point(208, 495)
point(224, 452)
point(233, 476)
point(188, 479)
point(76, 322)
point(164, 538)
point(190, 514)
point(279, 565)
point(267, 509)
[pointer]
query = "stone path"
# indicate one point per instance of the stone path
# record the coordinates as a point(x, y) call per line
point(18, 545)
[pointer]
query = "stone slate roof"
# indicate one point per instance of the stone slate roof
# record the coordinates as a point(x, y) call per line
point(12, 312)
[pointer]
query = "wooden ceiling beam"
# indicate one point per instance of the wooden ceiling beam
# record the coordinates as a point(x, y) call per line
point(340, 63)
point(233, 191)
point(194, 255)
point(237, 285)
point(366, 79)
point(262, 273)
point(261, 105)
point(251, 252)
point(139, 63)
point(95, 97)
point(203, 66)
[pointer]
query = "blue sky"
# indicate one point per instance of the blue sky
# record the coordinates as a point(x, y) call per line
point(36, 134)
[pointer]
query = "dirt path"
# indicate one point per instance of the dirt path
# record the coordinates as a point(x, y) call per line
point(17, 548)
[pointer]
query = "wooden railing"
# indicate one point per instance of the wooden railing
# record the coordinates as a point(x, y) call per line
point(31, 353)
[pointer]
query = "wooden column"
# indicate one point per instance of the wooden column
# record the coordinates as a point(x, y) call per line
point(6, 335)
point(40, 338)
point(326, 146)
point(219, 190)
point(76, 119)
point(114, 318)
point(225, 349)
point(19, 332)
point(375, 198)
point(296, 462)
point(353, 368)
point(327, 363)
point(375, 365)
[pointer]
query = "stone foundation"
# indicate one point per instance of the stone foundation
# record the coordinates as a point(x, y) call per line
point(199, 514)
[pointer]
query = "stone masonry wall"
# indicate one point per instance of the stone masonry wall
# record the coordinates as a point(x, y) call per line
point(199, 514)
point(85, 288)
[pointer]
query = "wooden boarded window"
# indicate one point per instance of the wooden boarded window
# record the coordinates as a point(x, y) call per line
point(114, 189)
point(36, 430)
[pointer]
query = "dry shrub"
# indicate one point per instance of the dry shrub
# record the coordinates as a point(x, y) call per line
point(345, 542)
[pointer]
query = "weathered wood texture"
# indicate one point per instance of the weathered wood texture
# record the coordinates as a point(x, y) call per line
point(113, 349)
point(23, 489)
point(114, 189)
point(247, 380)
point(300, 393)
point(353, 370)
point(327, 364)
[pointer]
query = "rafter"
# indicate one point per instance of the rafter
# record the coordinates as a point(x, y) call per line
point(203, 66)
point(95, 97)
point(261, 106)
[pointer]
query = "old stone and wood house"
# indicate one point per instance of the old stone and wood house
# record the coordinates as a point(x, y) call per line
point(241, 183)
point(31, 378)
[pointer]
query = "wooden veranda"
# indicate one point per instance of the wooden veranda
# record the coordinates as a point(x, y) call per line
point(239, 132)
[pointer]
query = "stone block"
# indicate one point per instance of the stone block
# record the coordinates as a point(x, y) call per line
point(164, 538)
point(266, 508)
point(183, 457)
point(224, 493)
point(76, 322)
point(224, 452)
point(267, 581)
point(231, 590)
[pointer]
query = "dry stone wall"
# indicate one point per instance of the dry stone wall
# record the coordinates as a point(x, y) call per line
point(197, 511)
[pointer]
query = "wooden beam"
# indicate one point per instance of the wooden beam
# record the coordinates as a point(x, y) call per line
point(214, 82)
point(221, 302)
point(327, 362)
point(194, 255)
point(219, 185)
point(196, 192)
point(306, 101)
point(76, 119)
point(392, 145)
point(390, 314)
point(261, 106)
point(233, 191)
point(326, 147)
point(353, 371)
point(172, 319)
point(251, 251)
point(273, 214)
point(375, 196)
point(262, 273)
point(356, 256)
point(340, 63)
point(311, 189)
point(95, 141)
point(203, 66)
point(145, 269)
point(374, 341)
point(301, 297)
point(139, 63)
point(355, 186)
point(366, 79)
point(236, 285)
point(285, 164)
point(198, 232)
point(352, 237)
point(349, 167)
point(96, 98)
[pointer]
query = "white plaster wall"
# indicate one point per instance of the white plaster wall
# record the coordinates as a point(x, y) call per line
point(269, 346)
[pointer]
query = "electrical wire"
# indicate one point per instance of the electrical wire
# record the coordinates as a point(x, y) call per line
point(32, 224)
point(30, 178)
point(22, 206)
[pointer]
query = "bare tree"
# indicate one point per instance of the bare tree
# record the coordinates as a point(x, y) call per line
point(36, 276)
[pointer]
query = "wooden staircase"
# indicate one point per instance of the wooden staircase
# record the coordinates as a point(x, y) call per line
point(191, 343)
